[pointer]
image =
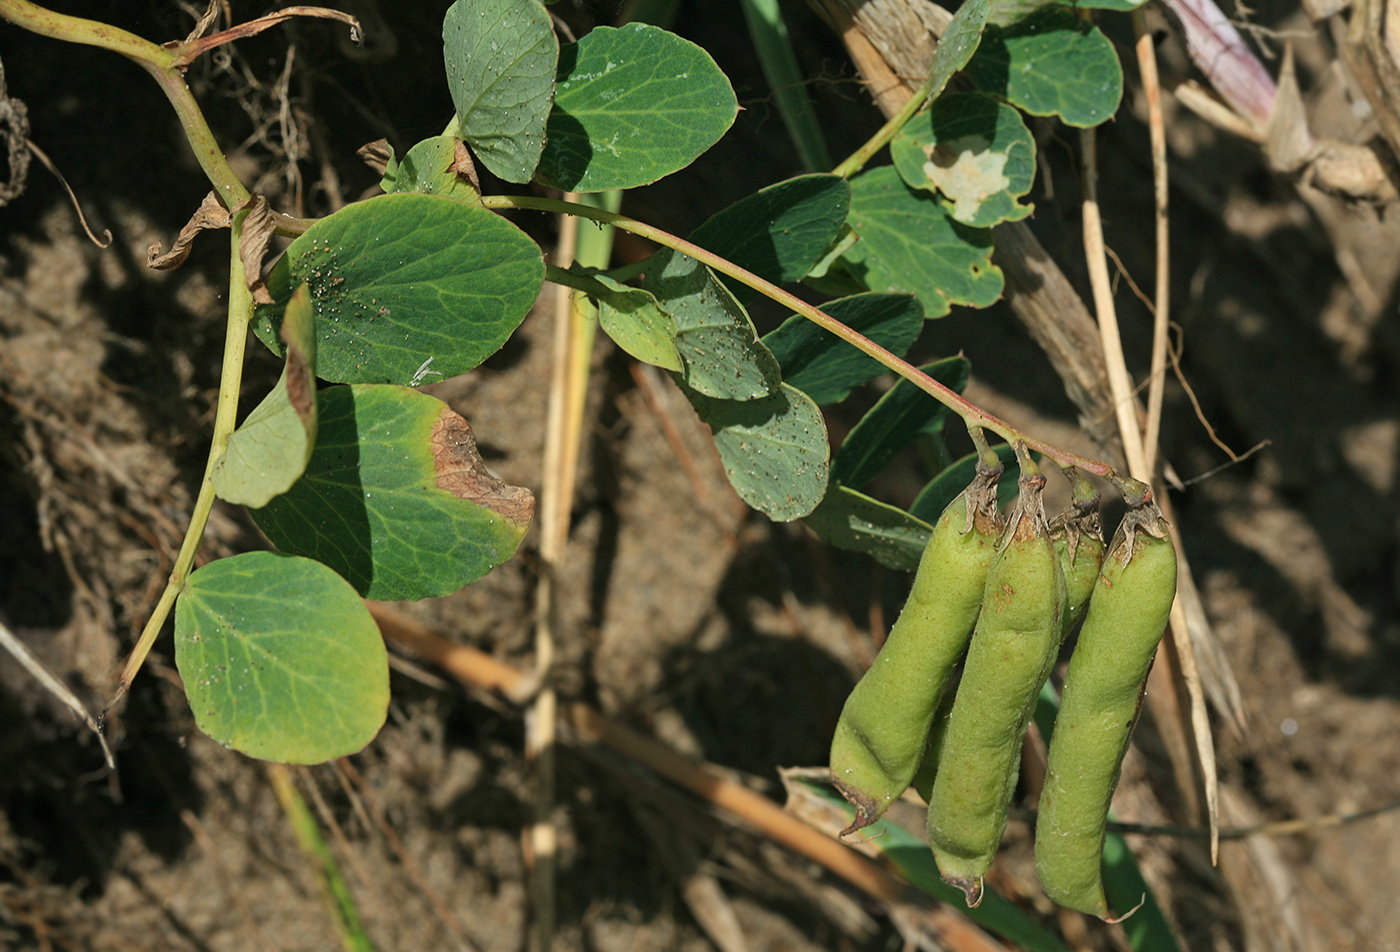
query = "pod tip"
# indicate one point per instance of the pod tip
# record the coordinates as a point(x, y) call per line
point(971, 889)
point(867, 808)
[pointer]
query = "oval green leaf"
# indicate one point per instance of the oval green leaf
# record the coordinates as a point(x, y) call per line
point(973, 150)
point(901, 415)
point(399, 281)
point(825, 367)
point(501, 56)
point(774, 449)
point(716, 340)
point(958, 44)
point(280, 658)
point(270, 450)
point(433, 167)
point(851, 520)
point(780, 232)
point(632, 105)
point(396, 497)
point(637, 323)
point(1051, 63)
point(909, 243)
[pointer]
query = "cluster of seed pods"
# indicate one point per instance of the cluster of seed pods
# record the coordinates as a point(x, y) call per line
point(945, 706)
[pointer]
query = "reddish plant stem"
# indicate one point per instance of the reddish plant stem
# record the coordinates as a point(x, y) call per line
point(971, 414)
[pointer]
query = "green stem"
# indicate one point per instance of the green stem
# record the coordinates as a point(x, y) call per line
point(240, 313)
point(587, 283)
point(154, 59)
point(61, 26)
point(627, 272)
point(572, 279)
point(972, 415)
point(160, 62)
point(932, 86)
point(1086, 495)
point(857, 159)
point(345, 912)
point(1030, 469)
point(988, 462)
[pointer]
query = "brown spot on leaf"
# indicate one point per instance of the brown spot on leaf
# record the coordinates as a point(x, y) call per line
point(301, 384)
point(462, 165)
point(460, 471)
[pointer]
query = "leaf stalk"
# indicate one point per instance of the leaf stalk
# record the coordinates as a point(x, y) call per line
point(971, 414)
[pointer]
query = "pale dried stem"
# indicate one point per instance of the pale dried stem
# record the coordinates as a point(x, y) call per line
point(1152, 91)
point(1119, 382)
point(21, 653)
point(1126, 409)
point(1185, 656)
point(560, 454)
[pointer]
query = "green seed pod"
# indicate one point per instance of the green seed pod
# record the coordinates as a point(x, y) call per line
point(922, 783)
point(1012, 648)
point(1101, 699)
point(1078, 541)
point(880, 736)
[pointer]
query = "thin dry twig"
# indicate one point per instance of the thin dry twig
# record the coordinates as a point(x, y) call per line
point(192, 49)
point(1152, 90)
point(1294, 827)
point(205, 21)
point(1126, 407)
point(21, 653)
point(1173, 354)
point(323, 810)
point(106, 240)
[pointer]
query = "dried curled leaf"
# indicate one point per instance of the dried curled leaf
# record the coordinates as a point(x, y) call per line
point(1346, 169)
point(210, 214)
point(258, 228)
point(376, 154)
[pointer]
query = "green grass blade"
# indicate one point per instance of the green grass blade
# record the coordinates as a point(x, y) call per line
point(774, 46)
point(912, 860)
point(342, 904)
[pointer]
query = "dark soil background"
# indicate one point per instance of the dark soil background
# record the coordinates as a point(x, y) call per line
point(730, 638)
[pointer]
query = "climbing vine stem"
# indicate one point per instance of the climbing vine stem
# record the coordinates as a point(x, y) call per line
point(240, 313)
